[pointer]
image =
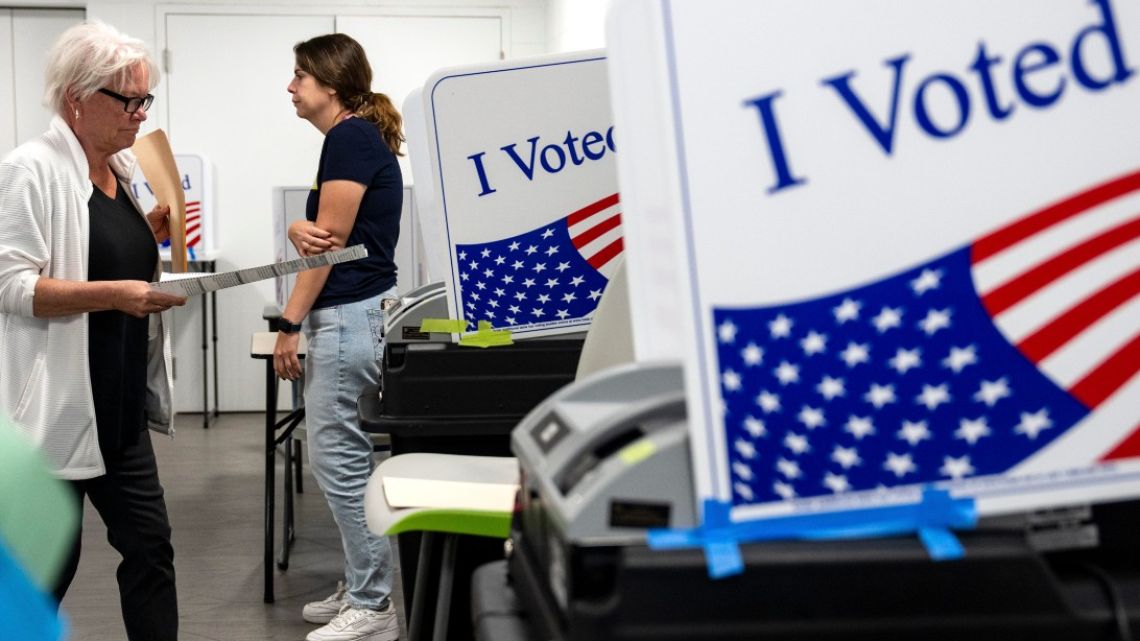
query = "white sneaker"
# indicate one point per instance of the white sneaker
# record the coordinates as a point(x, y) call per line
point(324, 611)
point(353, 624)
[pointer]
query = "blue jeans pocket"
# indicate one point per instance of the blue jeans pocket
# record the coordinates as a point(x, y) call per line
point(376, 324)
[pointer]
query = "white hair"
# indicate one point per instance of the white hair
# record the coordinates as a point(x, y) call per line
point(91, 56)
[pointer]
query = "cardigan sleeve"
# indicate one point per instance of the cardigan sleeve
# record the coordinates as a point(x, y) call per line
point(24, 231)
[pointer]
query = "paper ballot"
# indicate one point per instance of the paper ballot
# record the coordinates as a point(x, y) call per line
point(186, 285)
point(157, 163)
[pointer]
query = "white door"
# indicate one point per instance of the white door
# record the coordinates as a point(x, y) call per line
point(226, 99)
point(31, 33)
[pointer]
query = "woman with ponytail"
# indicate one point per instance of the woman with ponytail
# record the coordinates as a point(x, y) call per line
point(355, 199)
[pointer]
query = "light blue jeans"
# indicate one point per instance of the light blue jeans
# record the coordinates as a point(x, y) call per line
point(345, 347)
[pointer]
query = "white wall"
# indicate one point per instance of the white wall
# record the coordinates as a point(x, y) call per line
point(574, 25)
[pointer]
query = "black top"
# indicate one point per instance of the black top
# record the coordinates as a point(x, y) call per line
point(353, 150)
point(122, 247)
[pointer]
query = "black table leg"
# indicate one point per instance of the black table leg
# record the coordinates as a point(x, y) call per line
point(270, 468)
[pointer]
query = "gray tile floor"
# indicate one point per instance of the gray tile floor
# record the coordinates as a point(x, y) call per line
point(214, 481)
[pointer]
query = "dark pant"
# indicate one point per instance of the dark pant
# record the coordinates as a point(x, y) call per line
point(129, 500)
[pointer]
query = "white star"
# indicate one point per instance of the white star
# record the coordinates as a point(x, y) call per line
point(493, 303)
point(811, 417)
point(548, 233)
point(744, 491)
point(887, 319)
point(914, 432)
point(859, 426)
point(474, 296)
point(520, 295)
point(518, 264)
point(956, 468)
point(552, 282)
point(481, 285)
point(595, 294)
point(562, 267)
point(990, 392)
point(780, 327)
point(568, 297)
point(730, 380)
point(846, 311)
point(537, 311)
point(814, 343)
point(855, 353)
point(960, 358)
point(933, 395)
point(508, 279)
point(488, 272)
point(836, 482)
point(511, 320)
point(529, 282)
point(755, 426)
point(971, 431)
point(490, 314)
point(462, 255)
point(1032, 424)
point(752, 355)
point(831, 388)
point(464, 276)
point(473, 265)
point(935, 320)
point(796, 443)
point(499, 291)
point(929, 279)
point(499, 260)
point(531, 249)
point(726, 332)
point(846, 457)
point(562, 313)
point(514, 309)
point(905, 360)
point(900, 464)
point(486, 253)
point(787, 373)
point(768, 402)
point(745, 449)
point(544, 298)
point(553, 249)
point(577, 280)
point(790, 469)
point(742, 470)
point(784, 490)
point(880, 395)
point(514, 245)
point(539, 267)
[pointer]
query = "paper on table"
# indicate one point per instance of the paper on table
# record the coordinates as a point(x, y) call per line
point(454, 495)
point(195, 284)
point(161, 172)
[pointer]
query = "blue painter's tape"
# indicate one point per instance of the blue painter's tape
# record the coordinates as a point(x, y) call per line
point(193, 256)
point(931, 519)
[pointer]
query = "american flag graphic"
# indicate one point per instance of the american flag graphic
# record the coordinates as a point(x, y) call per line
point(193, 225)
point(552, 275)
point(1001, 357)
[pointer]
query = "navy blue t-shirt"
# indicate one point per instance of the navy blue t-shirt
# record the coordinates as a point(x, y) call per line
point(354, 150)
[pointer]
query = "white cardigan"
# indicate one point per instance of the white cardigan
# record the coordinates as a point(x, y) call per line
point(45, 379)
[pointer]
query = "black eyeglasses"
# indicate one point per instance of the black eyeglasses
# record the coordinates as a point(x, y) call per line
point(130, 105)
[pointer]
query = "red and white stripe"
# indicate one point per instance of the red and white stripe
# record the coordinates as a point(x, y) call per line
point(193, 223)
point(595, 231)
point(1063, 285)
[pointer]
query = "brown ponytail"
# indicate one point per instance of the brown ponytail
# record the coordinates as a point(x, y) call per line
point(378, 109)
point(338, 61)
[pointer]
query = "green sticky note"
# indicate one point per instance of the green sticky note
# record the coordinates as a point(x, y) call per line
point(443, 325)
point(637, 452)
point(487, 337)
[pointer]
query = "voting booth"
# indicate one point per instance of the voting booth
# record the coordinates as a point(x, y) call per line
point(891, 252)
point(516, 197)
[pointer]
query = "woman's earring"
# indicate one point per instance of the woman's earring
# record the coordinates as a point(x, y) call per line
point(77, 114)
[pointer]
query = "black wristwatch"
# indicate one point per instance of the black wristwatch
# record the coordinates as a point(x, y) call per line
point(286, 326)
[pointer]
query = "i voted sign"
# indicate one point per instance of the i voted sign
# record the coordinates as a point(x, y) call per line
point(908, 239)
point(523, 163)
point(194, 171)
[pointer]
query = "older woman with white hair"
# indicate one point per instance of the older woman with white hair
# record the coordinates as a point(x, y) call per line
point(85, 357)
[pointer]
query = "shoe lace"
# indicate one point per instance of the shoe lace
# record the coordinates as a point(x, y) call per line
point(348, 615)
